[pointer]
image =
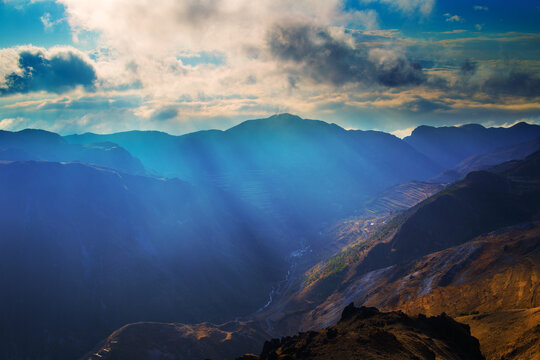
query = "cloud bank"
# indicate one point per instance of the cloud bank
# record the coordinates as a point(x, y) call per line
point(56, 71)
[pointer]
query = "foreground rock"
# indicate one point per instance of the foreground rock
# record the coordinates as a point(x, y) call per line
point(367, 333)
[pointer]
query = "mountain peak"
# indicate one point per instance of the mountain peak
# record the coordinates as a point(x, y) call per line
point(282, 122)
point(286, 117)
point(472, 127)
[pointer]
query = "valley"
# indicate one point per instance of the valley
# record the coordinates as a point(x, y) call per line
point(207, 245)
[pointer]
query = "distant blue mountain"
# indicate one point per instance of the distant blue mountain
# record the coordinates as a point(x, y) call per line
point(448, 146)
point(304, 171)
point(31, 144)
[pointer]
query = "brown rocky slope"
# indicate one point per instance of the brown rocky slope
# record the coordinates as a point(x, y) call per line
point(366, 333)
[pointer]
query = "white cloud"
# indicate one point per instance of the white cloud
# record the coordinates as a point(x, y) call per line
point(453, 18)
point(424, 7)
point(48, 22)
point(402, 133)
point(480, 8)
point(143, 42)
point(13, 124)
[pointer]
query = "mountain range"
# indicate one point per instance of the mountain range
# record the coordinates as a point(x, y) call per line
point(268, 228)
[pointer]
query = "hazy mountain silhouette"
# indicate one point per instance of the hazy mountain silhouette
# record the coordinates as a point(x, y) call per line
point(31, 144)
point(486, 160)
point(448, 146)
point(304, 172)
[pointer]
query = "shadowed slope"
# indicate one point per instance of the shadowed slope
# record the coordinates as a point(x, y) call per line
point(448, 146)
point(180, 341)
point(85, 250)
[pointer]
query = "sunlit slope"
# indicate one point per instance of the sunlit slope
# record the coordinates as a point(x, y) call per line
point(507, 334)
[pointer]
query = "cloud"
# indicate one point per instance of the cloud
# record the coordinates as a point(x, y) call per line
point(322, 57)
point(46, 20)
point(11, 123)
point(58, 71)
point(424, 7)
point(480, 8)
point(167, 113)
point(420, 104)
point(453, 18)
point(403, 133)
point(497, 80)
point(479, 27)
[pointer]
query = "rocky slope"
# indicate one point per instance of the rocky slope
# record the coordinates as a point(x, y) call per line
point(176, 341)
point(508, 334)
point(367, 333)
point(482, 202)
point(494, 272)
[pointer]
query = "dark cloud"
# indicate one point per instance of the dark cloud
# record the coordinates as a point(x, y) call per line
point(423, 105)
point(323, 58)
point(515, 82)
point(57, 73)
point(499, 80)
point(166, 114)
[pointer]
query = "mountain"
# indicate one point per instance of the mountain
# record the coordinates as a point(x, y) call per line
point(42, 145)
point(366, 333)
point(424, 252)
point(85, 250)
point(487, 160)
point(494, 277)
point(205, 340)
point(402, 197)
point(493, 272)
point(91, 242)
point(301, 172)
point(448, 146)
point(369, 269)
point(482, 202)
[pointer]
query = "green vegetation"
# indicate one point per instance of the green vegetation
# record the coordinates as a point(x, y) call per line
point(389, 227)
point(339, 263)
point(336, 264)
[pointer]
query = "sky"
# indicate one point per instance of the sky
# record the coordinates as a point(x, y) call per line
point(74, 66)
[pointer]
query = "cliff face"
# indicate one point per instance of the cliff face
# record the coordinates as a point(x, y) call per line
point(369, 334)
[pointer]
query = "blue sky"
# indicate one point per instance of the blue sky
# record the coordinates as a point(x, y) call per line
point(179, 66)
